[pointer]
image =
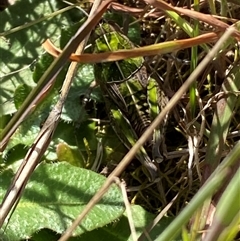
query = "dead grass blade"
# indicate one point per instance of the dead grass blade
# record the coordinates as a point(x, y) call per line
point(161, 48)
point(207, 18)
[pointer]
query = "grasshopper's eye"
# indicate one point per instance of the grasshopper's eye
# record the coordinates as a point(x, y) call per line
point(84, 100)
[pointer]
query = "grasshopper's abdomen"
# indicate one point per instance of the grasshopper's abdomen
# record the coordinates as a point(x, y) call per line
point(135, 95)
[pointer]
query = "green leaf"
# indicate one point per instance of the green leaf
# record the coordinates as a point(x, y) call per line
point(69, 154)
point(117, 231)
point(73, 111)
point(20, 48)
point(21, 94)
point(114, 150)
point(28, 130)
point(81, 141)
point(120, 230)
point(133, 32)
point(112, 41)
point(55, 195)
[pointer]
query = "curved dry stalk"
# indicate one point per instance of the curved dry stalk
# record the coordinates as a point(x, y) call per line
point(154, 49)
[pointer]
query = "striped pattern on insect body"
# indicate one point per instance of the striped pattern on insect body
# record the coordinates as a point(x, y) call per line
point(132, 100)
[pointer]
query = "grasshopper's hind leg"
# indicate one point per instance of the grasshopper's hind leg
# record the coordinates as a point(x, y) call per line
point(149, 165)
point(156, 146)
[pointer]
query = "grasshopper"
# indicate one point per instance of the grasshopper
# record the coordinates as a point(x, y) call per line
point(132, 99)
